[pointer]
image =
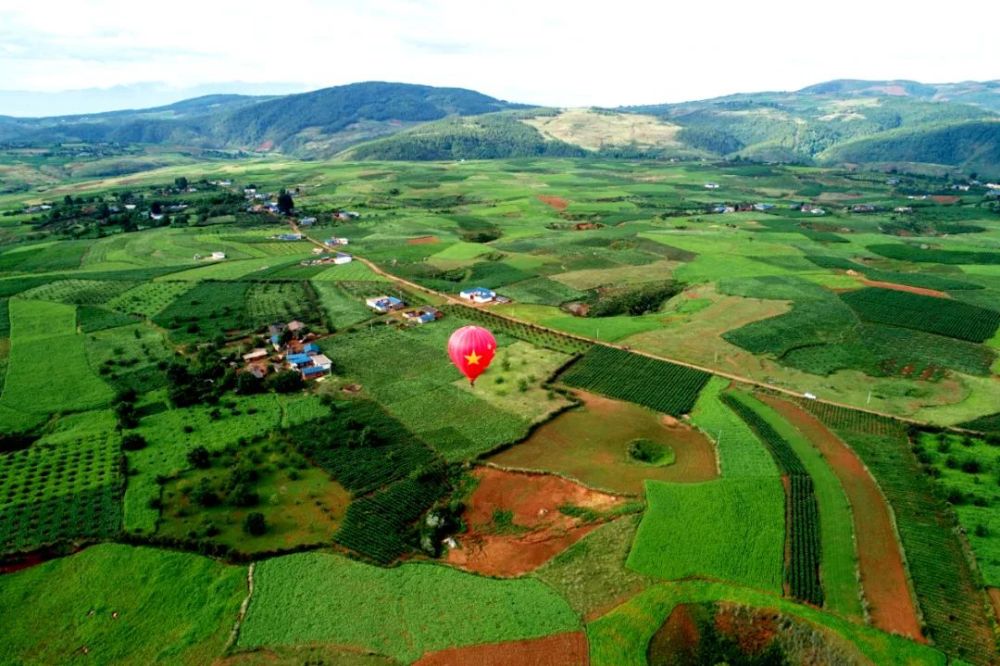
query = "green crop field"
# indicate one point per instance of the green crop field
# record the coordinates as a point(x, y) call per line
point(730, 529)
point(924, 313)
point(148, 299)
point(119, 604)
point(57, 491)
point(44, 346)
point(299, 598)
point(659, 385)
point(838, 564)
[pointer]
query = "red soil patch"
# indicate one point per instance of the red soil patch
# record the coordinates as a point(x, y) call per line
point(945, 198)
point(559, 650)
point(422, 240)
point(558, 203)
point(266, 145)
point(883, 575)
point(905, 287)
point(753, 632)
point(539, 530)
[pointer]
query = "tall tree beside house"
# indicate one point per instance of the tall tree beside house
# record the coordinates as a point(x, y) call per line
point(181, 183)
point(285, 203)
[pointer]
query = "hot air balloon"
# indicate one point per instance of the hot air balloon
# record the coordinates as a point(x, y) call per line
point(471, 349)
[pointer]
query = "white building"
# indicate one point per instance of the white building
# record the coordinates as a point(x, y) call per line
point(218, 255)
point(478, 295)
point(342, 258)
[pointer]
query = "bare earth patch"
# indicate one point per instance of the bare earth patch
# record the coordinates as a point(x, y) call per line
point(423, 240)
point(883, 574)
point(535, 530)
point(593, 130)
point(558, 650)
point(558, 203)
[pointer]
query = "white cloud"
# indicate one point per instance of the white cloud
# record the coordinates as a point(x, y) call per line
point(554, 52)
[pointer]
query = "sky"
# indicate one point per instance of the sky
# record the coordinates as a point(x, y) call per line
point(549, 52)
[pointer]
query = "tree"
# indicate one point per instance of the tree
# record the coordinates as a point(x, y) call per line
point(204, 495)
point(156, 208)
point(285, 203)
point(181, 183)
point(133, 442)
point(198, 457)
point(247, 384)
point(255, 524)
point(287, 381)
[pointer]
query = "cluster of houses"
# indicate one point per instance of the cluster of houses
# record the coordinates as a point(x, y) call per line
point(389, 304)
point(297, 351)
point(337, 258)
point(743, 207)
point(215, 256)
point(482, 296)
point(287, 237)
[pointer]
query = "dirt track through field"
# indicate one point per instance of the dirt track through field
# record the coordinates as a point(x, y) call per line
point(895, 286)
point(558, 650)
point(883, 574)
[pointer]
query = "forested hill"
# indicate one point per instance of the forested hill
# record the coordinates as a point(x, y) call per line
point(309, 124)
point(894, 123)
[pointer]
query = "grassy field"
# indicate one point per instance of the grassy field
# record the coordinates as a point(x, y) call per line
point(590, 444)
point(741, 454)
point(119, 604)
point(45, 345)
point(402, 612)
point(730, 529)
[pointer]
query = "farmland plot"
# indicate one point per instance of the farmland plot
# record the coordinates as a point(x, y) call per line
point(44, 345)
point(401, 612)
point(729, 529)
point(953, 319)
point(124, 604)
point(54, 492)
point(951, 602)
point(79, 292)
point(659, 385)
point(149, 298)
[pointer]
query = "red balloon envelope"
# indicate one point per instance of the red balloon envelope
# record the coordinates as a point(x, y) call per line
point(471, 349)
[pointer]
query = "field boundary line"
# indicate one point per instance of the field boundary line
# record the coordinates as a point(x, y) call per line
point(241, 615)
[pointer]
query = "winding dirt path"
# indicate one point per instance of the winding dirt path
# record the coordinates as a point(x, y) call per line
point(880, 560)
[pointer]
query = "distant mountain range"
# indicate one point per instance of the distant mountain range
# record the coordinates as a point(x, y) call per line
point(886, 123)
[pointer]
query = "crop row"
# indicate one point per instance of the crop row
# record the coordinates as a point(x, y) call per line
point(536, 335)
point(805, 553)
point(381, 526)
point(950, 318)
point(660, 385)
point(947, 588)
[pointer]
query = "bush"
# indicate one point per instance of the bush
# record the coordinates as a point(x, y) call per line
point(133, 442)
point(287, 381)
point(199, 457)
point(255, 524)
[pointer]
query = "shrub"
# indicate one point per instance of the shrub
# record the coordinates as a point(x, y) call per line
point(255, 524)
point(133, 442)
point(199, 457)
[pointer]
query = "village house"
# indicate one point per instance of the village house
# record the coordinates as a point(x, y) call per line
point(424, 315)
point(342, 258)
point(863, 208)
point(218, 256)
point(255, 355)
point(307, 221)
point(384, 304)
point(903, 209)
point(711, 186)
point(336, 241)
point(478, 295)
point(288, 237)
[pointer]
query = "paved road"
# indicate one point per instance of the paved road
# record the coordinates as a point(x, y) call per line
point(714, 371)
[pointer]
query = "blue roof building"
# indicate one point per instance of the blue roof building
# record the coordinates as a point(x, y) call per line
point(299, 360)
point(313, 371)
point(311, 348)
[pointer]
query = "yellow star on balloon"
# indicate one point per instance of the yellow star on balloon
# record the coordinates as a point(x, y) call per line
point(473, 358)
